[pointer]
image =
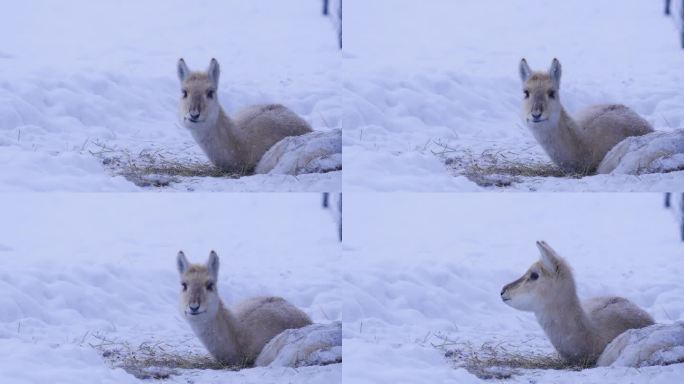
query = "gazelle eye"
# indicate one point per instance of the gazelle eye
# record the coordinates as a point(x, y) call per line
point(185, 94)
point(534, 276)
point(210, 286)
point(527, 94)
point(552, 94)
point(185, 287)
point(210, 94)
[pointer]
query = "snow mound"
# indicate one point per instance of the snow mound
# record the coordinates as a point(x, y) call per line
point(315, 344)
point(656, 152)
point(658, 344)
point(315, 152)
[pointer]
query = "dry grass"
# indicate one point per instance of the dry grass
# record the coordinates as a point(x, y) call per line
point(157, 167)
point(153, 360)
point(499, 360)
point(496, 167)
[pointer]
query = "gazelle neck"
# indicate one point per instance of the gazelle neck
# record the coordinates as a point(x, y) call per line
point(219, 335)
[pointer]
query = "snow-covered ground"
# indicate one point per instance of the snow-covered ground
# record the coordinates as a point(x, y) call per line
point(421, 267)
point(431, 88)
point(79, 269)
point(79, 78)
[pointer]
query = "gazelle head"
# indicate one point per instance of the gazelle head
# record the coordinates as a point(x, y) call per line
point(199, 296)
point(199, 104)
point(541, 101)
point(542, 284)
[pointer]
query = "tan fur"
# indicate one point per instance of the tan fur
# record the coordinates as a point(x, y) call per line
point(576, 146)
point(578, 331)
point(233, 337)
point(232, 145)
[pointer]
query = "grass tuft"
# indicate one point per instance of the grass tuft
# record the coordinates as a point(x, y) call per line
point(154, 360)
point(496, 167)
point(501, 360)
point(157, 167)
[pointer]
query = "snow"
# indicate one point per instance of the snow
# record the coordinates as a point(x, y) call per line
point(315, 344)
point(315, 152)
point(81, 78)
point(420, 269)
point(80, 270)
point(430, 82)
point(654, 152)
point(659, 344)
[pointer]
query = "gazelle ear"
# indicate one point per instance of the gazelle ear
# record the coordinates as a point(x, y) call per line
point(213, 264)
point(183, 70)
point(214, 72)
point(525, 70)
point(549, 257)
point(182, 262)
point(555, 72)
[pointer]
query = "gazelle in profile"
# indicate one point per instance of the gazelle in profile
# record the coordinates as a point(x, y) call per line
point(578, 331)
point(576, 146)
point(237, 336)
point(231, 144)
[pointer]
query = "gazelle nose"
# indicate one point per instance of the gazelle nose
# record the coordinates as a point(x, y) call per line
point(194, 307)
point(503, 290)
point(536, 114)
point(194, 115)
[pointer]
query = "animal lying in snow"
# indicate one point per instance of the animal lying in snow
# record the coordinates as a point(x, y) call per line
point(238, 145)
point(576, 146)
point(578, 330)
point(238, 335)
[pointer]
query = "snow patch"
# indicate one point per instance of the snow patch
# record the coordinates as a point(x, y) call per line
point(315, 344)
point(658, 344)
point(650, 153)
point(314, 152)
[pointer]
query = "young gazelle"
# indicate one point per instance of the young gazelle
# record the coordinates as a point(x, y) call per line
point(576, 146)
point(231, 144)
point(578, 331)
point(237, 336)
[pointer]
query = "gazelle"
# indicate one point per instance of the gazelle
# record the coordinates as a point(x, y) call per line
point(578, 331)
point(237, 336)
point(576, 146)
point(231, 144)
